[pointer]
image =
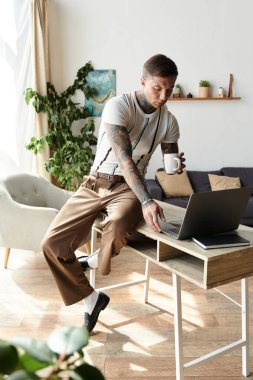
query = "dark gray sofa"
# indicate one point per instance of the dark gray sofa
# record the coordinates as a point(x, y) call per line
point(200, 182)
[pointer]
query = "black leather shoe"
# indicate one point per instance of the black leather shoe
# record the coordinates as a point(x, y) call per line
point(90, 320)
point(83, 260)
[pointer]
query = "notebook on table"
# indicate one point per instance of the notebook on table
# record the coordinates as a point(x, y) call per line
point(221, 241)
point(209, 213)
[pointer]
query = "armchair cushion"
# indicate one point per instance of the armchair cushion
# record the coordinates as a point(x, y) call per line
point(32, 190)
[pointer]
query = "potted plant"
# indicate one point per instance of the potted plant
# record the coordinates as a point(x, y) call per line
point(204, 86)
point(71, 153)
point(177, 92)
point(62, 357)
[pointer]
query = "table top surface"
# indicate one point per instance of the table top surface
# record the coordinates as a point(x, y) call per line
point(172, 212)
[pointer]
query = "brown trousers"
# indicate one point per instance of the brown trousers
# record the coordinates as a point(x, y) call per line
point(72, 226)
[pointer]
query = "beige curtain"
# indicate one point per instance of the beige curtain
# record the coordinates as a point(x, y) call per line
point(41, 69)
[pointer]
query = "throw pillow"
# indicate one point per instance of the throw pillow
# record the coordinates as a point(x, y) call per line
point(220, 182)
point(176, 185)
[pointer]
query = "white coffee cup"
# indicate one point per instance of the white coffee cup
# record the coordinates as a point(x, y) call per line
point(172, 163)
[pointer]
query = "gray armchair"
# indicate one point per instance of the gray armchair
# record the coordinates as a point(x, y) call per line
point(28, 205)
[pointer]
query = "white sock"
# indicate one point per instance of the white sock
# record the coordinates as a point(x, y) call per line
point(90, 302)
point(93, 259)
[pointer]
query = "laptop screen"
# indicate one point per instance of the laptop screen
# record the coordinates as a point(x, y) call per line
point(213, 212)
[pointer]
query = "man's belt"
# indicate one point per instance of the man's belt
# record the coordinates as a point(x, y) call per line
point(108, 177)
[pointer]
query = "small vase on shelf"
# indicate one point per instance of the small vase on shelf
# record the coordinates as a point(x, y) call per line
point(204, 86)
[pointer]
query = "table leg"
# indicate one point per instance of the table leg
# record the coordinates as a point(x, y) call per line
point(94, 236)
point(6, 256)
point(178, 326)
point(245, 326)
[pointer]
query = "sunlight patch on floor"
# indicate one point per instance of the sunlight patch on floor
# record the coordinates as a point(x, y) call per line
point(137, 368)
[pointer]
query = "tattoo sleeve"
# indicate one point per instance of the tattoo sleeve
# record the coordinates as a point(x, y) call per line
point(121, 145)
point(169, 148)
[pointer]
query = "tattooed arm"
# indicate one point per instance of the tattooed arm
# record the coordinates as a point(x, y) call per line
point(169, 148)
point(122, 147)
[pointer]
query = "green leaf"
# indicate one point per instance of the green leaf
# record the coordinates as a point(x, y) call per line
point(37, 350)
point(86, 371)
point(41, 149)
point(8, 357)
point(23, 375)
point(61, 111)
point(68, 340)
point(32, 365)
point(27, 99)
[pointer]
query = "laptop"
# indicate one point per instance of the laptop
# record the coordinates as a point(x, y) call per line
point(211, 212)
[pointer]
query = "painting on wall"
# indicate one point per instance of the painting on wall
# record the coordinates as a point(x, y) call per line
point(104, 81)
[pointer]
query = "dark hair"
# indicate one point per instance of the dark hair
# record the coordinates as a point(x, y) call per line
point(160, 65)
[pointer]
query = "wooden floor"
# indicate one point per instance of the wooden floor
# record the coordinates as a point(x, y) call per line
point(132, 340)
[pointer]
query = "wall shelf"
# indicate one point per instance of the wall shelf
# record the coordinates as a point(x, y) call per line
point(191, 99)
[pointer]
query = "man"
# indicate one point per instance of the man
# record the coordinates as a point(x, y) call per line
point(132, 126)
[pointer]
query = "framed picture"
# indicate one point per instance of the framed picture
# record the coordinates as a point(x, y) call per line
point(104, 81)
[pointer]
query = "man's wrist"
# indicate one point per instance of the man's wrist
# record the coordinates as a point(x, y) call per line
point(147, 202)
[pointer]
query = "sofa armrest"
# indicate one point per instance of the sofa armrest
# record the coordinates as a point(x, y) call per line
point(154, 189)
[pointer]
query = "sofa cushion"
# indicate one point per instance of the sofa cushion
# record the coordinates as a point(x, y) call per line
point(154, 189)
point(221, 182)
point(199, 179)
point(177, 201)
point(177, 185)
point(245, 174)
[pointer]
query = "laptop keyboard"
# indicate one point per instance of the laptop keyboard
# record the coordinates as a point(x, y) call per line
point(172, 228)
point(172, 232)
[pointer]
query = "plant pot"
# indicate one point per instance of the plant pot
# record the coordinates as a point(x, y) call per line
point(176, 92)
point(203, 92)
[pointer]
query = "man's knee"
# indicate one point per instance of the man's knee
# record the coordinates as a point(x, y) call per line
point(125, 225)
point(48, 244)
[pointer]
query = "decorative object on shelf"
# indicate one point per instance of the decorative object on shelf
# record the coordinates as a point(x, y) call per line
point(71, 130)
point(205, 93)
point(177, 92)
point(204, 86)
point(221, 92)
point(225, 98)
point(230, 88)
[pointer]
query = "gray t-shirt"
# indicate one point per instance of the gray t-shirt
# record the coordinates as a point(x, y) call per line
point(146, 132)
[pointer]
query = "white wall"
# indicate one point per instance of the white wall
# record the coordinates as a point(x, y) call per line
point(207, 39)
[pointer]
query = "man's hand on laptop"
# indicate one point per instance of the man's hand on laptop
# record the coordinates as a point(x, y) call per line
point(151, 211)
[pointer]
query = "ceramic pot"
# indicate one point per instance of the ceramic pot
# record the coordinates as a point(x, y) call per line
point(203, 92)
